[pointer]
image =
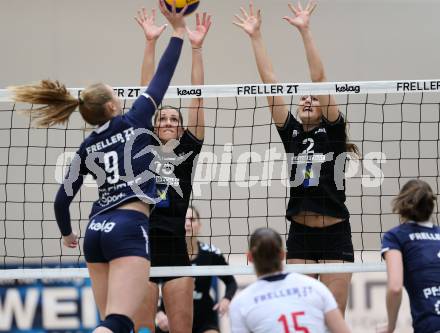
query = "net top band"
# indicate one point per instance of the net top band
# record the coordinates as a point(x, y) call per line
point(280, 89)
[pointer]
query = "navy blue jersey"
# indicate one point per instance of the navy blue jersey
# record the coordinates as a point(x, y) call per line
point(110, 154)
point(317, 159)
point(119, 153)
point(169, 214)
point(420, 248)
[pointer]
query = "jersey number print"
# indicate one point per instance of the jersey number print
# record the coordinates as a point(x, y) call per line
point(111, 167)
point(297, 328)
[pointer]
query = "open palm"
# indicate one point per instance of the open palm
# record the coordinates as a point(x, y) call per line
point(197, 36)
point(301, 18)
point(251, 22)
point(147, 23)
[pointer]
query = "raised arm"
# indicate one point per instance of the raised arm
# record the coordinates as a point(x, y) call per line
point(301, 20)
point(143, 108)
point(251, 24)
point(196, 116)
point(152, 32)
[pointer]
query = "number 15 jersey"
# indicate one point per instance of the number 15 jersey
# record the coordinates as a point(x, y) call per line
point(282, 303)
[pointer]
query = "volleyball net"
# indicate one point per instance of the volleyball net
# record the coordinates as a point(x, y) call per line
point(241, 181)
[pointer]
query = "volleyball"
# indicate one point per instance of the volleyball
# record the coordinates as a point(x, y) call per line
point(180, 4)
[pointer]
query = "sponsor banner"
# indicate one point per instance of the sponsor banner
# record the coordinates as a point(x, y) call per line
point(280, 89)
point(47, 305)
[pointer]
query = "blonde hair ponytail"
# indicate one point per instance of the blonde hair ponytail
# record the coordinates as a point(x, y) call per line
point(58, 103)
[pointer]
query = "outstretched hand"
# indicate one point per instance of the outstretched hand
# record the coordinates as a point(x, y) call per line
point(249, 22)
point(301, 18)
point(176, 20)
point(197, 36)
point(147, 23)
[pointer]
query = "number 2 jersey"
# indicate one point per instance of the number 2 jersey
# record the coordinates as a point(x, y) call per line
point(282, 303)
point(419, 244)
point(317, 159)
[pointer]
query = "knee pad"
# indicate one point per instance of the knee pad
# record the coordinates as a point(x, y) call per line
point(118, 323)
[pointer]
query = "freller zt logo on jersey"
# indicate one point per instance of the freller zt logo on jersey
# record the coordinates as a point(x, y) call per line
point(189, 92)
point(347, 88)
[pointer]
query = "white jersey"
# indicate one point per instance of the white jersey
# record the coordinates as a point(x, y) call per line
point(282, 303)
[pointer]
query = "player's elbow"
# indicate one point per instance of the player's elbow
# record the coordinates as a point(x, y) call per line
point(395, 289)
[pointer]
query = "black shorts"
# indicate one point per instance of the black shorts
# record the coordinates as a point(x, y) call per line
point(115, 234)
point(208, 322)
point(167, 249)
point(328, 243)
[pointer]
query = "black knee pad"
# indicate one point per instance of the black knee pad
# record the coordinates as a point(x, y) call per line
point(118, 323)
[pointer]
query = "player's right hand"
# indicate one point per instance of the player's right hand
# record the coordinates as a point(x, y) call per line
point(147, 23)
point(71, 240)
point(176, 20)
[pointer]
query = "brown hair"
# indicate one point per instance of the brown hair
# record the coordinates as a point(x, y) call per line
point(415, 201)
point(266, 247)
point(195, 211)
point(59, 104)
point(166, 107)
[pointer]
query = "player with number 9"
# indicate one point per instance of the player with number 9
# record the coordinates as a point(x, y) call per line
point(116, 240)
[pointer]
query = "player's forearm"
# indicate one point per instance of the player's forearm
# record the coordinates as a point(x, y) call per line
point(197, 70)
point(196, 118)
point(148, 62)
point(264, 65)
point(393, 300)
point(316, 68)
point(165, 70)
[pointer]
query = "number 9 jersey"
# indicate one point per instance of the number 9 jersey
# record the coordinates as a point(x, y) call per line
point(282, 303)
point(118, 155)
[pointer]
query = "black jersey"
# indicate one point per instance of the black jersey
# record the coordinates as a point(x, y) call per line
point(209, 255)
point(317, 160)
point(169, 214)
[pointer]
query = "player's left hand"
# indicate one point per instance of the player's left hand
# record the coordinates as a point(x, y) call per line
point(71, 240)
point(197, 36)
point(301, 18)
point(222, 307)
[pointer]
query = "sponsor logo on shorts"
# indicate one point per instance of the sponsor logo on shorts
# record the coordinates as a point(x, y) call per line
point(104, 226)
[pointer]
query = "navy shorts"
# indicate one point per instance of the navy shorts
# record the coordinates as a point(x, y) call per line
point(115, 234)
point(327, 243)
